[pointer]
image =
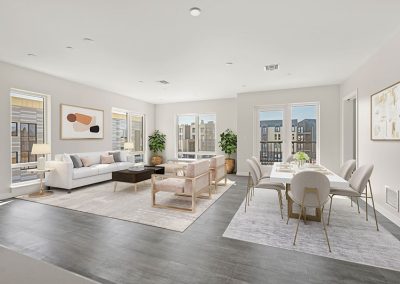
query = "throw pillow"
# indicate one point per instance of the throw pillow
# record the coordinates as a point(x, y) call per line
point(117, 156)
point(87, 161)
point(107, 159)
point(76, 161)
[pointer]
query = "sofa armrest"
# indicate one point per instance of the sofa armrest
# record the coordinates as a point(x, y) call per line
point(60, 175)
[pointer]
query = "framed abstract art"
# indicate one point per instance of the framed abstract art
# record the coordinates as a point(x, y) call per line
point(385, 114)
point(81, 122)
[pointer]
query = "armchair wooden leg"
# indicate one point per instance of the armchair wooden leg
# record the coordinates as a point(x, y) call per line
point(280, 202)
point(193, 201)
point(366, 203)
point(298, 223)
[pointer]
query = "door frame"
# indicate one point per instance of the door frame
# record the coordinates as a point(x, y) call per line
point(350, 96)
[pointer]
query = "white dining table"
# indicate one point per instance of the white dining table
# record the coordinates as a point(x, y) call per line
point(283, 172)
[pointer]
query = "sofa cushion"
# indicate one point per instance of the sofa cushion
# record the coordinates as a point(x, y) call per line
point(117, 156)
point(170, 185)
point(105, 168)
point(107, 159)
point(88, 161)
point(76, 161)
point(84, 172)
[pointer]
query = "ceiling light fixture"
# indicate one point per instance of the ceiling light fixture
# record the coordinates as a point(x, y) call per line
point(164, 82)
point(229, 63)
point(195, 11)
point(87, 39)
point(68, 47)
point(31, 54)
point(140, 81)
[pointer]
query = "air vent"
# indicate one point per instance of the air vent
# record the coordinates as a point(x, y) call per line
point(271, 67)
point(164, 82)
point(392, 197)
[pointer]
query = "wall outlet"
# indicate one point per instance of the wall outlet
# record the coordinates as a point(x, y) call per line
point(392, 197)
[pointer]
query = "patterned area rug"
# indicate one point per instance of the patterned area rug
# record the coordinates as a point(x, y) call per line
point(352, 238)
point(128, 205)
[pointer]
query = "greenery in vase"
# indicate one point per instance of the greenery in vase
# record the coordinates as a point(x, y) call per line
point(301, 156)
point(228, 142)
point(157, 142)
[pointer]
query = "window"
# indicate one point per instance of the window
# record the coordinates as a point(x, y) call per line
point(29, 126)
point(128, 127)
point(196, 136)
point(119, 129)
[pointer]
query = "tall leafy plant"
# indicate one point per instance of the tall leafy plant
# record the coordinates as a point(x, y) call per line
point(157, 142)
point(228, 142)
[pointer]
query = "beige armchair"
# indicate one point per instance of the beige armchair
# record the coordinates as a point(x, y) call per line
point(194, 184)
point(217, 170)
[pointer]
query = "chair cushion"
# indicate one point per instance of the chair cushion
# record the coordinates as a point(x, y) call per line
point(170, 185)
point(84, 172)
point(344, 192)
point(266, 183)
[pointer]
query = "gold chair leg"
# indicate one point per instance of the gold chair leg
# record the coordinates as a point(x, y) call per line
point(330, 208)
point(326, 233)
point(366, 203)
point(280, 202)
point(298, 223)
point(373, 205)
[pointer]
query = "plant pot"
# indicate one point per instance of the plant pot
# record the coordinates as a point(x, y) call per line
point(229, 165)
point(156, 160)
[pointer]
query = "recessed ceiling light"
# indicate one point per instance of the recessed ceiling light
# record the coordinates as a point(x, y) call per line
point(31, 54)
point(164, 82)
point(244, 86)
point(140, 81)
point(229, 63)
point(68, 47)
point(87, 39)
point(195, 11)
point(271, 67)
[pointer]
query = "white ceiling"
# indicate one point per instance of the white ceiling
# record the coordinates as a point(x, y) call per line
point(316, 42)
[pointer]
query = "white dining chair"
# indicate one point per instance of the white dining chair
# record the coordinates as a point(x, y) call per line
point(256, 182)
point(345, 172)
point(347, 169)
point(358, 187)
point(264, 170)
point(310, 190)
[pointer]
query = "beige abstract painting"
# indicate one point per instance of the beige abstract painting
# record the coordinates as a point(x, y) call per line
point(385, 114)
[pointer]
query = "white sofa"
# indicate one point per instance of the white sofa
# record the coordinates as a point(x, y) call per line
point(64, 175)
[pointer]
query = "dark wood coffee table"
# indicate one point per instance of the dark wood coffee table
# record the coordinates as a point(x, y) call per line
point(135, 177)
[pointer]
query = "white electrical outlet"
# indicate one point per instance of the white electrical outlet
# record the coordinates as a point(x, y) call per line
point(392, 197)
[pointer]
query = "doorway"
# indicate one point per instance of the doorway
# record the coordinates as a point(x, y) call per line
point(349, 127)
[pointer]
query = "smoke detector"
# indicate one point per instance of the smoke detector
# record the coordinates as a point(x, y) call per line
point(271, 67)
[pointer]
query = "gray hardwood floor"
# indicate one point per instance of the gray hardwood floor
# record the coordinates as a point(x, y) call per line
point(113, 251)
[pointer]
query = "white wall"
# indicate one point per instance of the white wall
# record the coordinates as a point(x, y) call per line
point(61, 92)
point(225, 109)
point(327, 96)
point(379, 72)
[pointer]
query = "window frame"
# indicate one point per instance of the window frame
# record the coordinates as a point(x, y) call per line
point(129, 114)
point(46, 132)
point(197, 153)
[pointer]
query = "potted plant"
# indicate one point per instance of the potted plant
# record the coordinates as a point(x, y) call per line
point(301, 158)
point(228, 144)
point(157, 145)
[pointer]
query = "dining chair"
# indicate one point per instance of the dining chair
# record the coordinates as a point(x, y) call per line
point(310, 190)
point(264, 170)
point(290, 159)
point(345, 172)
point(256, 182)
point(358, 187)
point(347, 169)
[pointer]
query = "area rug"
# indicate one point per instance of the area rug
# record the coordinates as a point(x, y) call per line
point(128, 205)
point(352, 238)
